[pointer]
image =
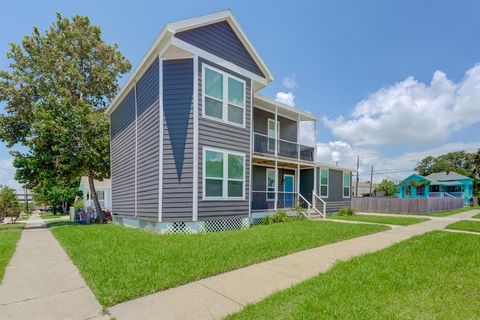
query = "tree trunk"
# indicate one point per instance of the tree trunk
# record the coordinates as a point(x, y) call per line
point(93, 195)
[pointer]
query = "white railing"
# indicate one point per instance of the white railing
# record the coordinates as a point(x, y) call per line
point(304, 203)
point(315, 197)
point(455, 194)
point(263, 144)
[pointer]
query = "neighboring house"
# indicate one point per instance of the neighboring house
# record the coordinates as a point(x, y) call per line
point(363, 188)
point(440, 184)
point(195, 147)
point(104, 193)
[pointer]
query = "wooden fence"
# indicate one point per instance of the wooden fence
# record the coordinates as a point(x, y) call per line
point(412, 206)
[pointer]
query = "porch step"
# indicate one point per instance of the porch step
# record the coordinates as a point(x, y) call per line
point(334, 206)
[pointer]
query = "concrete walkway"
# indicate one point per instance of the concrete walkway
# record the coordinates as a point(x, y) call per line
point(42, 283)
point(218, 296)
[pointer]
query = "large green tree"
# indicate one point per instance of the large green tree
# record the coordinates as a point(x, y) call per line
point(56, 91)
point(57, 193)
point(389, 188)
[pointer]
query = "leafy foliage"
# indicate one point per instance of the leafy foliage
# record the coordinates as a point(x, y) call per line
point(346, 212)
point(281, 217)
point(60, 195)
point(9, 204)
point(56, 92)
point(389, 188)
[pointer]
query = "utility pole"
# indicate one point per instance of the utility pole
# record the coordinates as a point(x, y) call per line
point(356, 184)
point(371, 181)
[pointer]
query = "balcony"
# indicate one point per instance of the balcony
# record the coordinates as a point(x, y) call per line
point(265, 145)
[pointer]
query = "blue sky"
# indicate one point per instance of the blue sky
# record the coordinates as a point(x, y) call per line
point(369, 62)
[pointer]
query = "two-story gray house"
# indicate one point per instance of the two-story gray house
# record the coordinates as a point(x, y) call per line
point(194, 147)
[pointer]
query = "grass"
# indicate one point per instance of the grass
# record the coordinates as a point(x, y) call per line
point(476, 216)
point(466, 225)
point(48, 216)
point(121, 263)
point(401, 221)
point(9, 235)
point(433, 276)
point(449, 213)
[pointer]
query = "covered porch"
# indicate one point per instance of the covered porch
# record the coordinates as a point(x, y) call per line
point(280, 185)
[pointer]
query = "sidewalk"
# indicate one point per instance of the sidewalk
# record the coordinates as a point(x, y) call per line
point(218, 296)
point(42, 283)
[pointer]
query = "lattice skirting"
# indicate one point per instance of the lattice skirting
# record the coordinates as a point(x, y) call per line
point(187, 227)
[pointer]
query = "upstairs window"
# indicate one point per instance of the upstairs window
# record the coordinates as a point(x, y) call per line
point(223, 97)
point(346, 184)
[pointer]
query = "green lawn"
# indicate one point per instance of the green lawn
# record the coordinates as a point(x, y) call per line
point(433, 276)
point(465, 225)
point(48, 216)
point(121, 263)
point(9, 235)
point(449, 213)
point(476, 216)
point(401, 221)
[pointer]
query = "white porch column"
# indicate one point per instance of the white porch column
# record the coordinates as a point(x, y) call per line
point(276, 186)
point(298, 137)
point(314, 179)
point(277, 132)
point(315, 142)
point(297, 188)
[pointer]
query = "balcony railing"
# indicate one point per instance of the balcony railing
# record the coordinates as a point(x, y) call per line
point(266, 145)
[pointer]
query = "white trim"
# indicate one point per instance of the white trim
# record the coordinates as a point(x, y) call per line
point(160, 131)
point(309, 116)
point(251, 152)
point(136, 148)
point(349, 184)
point(165, 39)
point(266, 183)
point(320, 185)
point(225, 178)
point(225, 75)
point(270, 111)
point(217, 60)
point(218, 17)
point(195, 140)
point(277, 133)
point(276, 186)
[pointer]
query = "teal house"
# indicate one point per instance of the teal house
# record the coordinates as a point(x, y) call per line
point(439, 184)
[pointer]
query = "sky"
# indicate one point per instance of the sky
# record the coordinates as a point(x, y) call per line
point(390, 81)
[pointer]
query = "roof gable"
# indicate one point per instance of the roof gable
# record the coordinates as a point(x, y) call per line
point(415, 177)
point(221, 40)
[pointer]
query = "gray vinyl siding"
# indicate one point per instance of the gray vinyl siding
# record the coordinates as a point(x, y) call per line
point(288, 127)
point(220, 39)
point(122, 153)
point(148, 139)
point(259, 178)
point(178, 140)
point(216, 134)
point(335, 186)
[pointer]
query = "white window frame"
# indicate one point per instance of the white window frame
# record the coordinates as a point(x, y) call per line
point(225, 178)
point(277, 134)
point(320, 185)
point(349, 185)
point(225, 102)
point(274, 184)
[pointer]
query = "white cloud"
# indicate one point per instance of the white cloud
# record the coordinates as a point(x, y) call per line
point(7, 174)
point(412, 112)
point(290, 82)
point(286, 97)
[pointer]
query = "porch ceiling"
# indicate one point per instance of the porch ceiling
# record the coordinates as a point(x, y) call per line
point(280, 164)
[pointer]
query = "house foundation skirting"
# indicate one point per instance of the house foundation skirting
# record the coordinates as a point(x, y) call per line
point(186, 227)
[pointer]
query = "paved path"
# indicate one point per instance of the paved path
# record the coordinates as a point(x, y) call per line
point(218, 296)
point(42, 283)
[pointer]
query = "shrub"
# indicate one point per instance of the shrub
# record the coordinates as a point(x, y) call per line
point(346, 212)
point(281, 217)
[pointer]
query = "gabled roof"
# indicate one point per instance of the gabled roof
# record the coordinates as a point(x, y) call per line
point(447, 175)
point(164, 40)
point(414, 175)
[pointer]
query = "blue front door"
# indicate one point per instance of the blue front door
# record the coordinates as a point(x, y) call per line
point(288, 188)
